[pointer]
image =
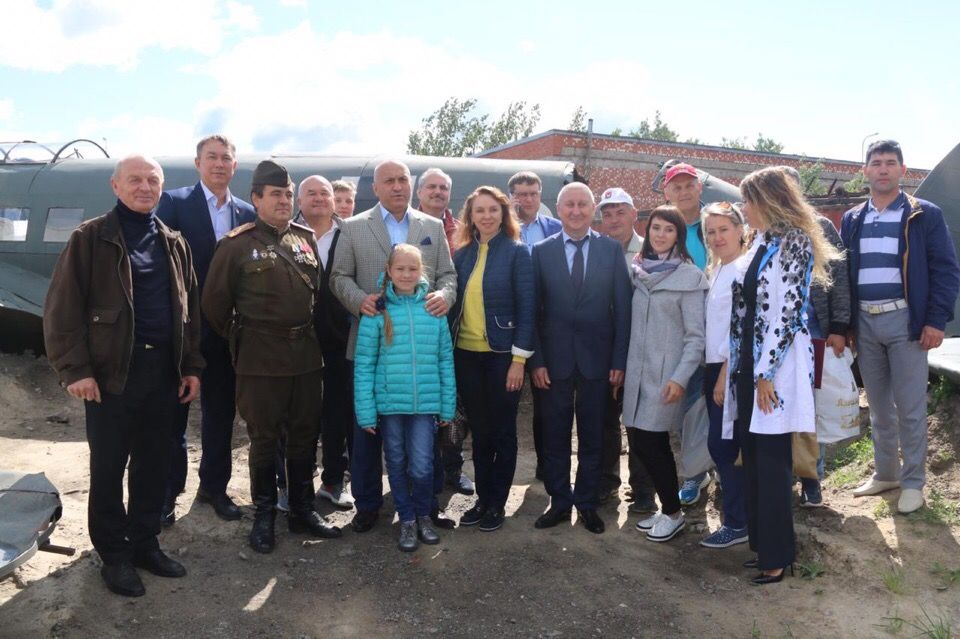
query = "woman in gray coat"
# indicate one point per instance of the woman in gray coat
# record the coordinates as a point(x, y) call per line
point(666, 347)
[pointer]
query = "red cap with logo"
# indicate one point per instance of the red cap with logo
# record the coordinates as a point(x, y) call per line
point(679, 169)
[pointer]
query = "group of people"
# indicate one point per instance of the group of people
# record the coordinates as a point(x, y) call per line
point(386, 335)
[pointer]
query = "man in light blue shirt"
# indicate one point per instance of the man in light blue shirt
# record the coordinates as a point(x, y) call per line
point(396, 229)
point(536, 221)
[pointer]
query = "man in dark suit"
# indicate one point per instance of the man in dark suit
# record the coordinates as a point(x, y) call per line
point(583, 330)
point(204, 213)
point(315, 197)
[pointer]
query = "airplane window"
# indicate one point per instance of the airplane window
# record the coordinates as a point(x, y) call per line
point(13, 224)
point(60, 224)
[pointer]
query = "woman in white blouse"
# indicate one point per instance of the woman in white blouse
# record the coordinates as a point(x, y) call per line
point(770, 371)
point(723, 230)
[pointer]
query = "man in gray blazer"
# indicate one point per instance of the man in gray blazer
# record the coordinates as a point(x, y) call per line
point(365, 244)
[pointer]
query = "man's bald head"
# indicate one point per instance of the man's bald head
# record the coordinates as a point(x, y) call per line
point(392, 186)
point(315, 200)
point(137, 181)
point(575, 206)
point(572, 188)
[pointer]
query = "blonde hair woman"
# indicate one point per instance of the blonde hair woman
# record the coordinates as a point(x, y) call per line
point(770, 381)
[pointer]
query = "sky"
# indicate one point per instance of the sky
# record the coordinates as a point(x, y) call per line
point(355, 77)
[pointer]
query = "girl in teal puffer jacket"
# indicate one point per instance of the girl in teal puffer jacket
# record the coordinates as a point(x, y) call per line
point(404, 381)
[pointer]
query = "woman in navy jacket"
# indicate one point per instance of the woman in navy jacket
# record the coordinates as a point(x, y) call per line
point(492, 326)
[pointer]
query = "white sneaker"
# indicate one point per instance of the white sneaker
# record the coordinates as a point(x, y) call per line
point(338, 495)
point(666, 528)
point(874, 487)
point(911, 499)
point(648, 523)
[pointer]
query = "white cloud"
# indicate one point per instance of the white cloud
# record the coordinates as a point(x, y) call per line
point(150, 134)
point(114, 33)
point(365, 92)
point(293, 3)
point(6, 109)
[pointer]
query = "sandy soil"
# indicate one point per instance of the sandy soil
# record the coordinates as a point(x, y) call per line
point(518, 581)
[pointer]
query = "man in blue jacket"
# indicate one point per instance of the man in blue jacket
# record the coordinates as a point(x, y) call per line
point(204, 213)
point(904, 280)
point(583, 332)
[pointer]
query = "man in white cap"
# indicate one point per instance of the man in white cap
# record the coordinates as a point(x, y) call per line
point(618, 219)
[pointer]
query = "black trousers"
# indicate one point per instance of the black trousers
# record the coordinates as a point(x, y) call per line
point(134, 426)
point(639, 480)
point(657, 456)
point(218, 410)
point(492, 413)
point(566, 397)
point(768, 466)
point(336, 420)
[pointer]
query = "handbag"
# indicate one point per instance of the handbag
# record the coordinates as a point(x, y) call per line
point(453, 434)
point(837, 400)
point(806, 451)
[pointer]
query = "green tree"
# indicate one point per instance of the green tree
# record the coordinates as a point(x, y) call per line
point(516, 122)
point(578, 122)
point(734, 143)
point(657, 130)
point(810, 178)
point(454, 130)
point(857, 185)
point(767, 145)
point(617, 132)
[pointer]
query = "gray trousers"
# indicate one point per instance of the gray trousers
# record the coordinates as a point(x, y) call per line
point(894, 371)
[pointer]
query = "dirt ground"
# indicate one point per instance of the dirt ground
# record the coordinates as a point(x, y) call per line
point(878, 569)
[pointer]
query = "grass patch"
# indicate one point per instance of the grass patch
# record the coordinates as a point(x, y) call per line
point(895, 581)
point(930, 627)
point(851, 463)
point(882, 510)
point(943, 389)
point(810, 570)
point(948, 576)
point(938, 511)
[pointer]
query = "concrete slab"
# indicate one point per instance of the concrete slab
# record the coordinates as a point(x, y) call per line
point(946, 359)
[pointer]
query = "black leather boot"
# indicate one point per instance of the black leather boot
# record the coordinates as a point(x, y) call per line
point(263, 490)
point(302, 517)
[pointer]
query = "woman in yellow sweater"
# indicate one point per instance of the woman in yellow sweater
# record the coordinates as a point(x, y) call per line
point(492, 326)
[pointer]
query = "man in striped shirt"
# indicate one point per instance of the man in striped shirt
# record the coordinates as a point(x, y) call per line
point(904, 280)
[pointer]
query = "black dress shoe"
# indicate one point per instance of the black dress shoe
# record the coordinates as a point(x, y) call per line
point(363, 521)
point(158, 563)
point(461, 483)
point(763, 579)
point(311, 522)
point(222, 505)
point(122, 579)
point(750, 563)
point(591, 521)
point(552, 517)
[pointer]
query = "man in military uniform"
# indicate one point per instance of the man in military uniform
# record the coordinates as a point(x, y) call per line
point(259, 294)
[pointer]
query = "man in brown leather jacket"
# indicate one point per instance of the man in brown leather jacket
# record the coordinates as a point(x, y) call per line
point(259, 294)
point(122, 329)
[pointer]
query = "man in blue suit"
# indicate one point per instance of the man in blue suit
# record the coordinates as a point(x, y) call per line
point(204, 213)
point(583, 331)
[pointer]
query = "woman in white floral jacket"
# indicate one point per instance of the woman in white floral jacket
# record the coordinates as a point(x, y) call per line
point(770, 385)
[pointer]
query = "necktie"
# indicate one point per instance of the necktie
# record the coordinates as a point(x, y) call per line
point(576, 272)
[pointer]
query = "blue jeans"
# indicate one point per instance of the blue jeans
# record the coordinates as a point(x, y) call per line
point(408, 451)
point(724, 453)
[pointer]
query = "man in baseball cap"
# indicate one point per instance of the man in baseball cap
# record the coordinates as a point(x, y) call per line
point(682, 188)
point(618, 217)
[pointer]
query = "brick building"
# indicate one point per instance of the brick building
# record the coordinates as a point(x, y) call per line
point(632, 163)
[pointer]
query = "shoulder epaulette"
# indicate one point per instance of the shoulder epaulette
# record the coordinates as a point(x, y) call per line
point(243, 228)
point(302, 227)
